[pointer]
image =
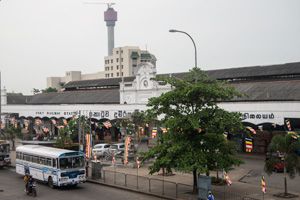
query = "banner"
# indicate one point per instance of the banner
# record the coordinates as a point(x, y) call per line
point(95, 158)
point(164, 130)
point(127, 145)
point(154, 131)
point(107, 124)
point(225, 134)
point(138, 162)
point(263, 184)
point(65, 122)
point(248, 143)
point(288, 124)
point(88, 151)
point(114, 160)
point(251, 129)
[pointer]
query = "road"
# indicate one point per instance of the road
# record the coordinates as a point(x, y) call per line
point(12, 188)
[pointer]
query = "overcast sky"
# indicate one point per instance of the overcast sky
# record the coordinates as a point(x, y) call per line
point(46, 38)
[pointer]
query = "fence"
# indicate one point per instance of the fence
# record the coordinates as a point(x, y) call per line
point(159, 186)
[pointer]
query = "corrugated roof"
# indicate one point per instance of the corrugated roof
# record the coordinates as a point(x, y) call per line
point(269, 91)
point(287, 69)
point(16, 99)
point(256, 71)
point(78, 97)
point(97, 83)
point(258, 89)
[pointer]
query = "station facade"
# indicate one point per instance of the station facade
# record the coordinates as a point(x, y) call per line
point(273, 98)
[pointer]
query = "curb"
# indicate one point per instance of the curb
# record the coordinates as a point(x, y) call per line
point(130, 189)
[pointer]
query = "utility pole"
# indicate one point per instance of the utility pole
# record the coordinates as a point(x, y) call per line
point(79, 132)
point(0, 105)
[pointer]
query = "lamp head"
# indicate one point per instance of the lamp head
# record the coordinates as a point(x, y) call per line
point(173, 31)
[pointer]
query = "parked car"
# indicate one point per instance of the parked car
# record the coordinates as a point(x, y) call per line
point(99, 149)
point(279, 166)
point(117, 147)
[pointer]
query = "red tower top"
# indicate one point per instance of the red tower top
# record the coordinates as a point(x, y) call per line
point(110, 16)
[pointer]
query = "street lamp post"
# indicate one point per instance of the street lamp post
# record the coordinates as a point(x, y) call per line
point(176, 31)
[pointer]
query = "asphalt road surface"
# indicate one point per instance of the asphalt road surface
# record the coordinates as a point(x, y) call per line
point(12, 188)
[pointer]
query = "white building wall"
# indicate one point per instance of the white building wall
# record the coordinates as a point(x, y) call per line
point(254, 112)
point(99, 111)
point(142, 88)
point(54, 82)
point(73, 76)
point(97, 75)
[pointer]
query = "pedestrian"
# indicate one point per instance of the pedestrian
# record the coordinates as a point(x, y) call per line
point(26, 179)
point(87, 169)
point(210, 196)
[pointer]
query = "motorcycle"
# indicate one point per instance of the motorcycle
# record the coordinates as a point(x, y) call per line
point(31, 189)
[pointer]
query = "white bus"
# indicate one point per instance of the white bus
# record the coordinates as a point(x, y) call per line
point(57, 167)
point(4, 153)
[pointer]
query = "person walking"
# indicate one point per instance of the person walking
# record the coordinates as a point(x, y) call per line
point(210, 196)
point(26, 180)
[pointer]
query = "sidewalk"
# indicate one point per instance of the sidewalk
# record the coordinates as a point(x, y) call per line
point(236, 174)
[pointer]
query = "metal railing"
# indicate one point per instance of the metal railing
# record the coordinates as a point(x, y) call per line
point(160, 186)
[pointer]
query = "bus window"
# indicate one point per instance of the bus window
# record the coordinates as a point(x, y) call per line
point(35, 159)
point(4, 148)
point(78, 162)
point(42, 161)
point(49, 161)
point(54, 163)
point(65, 163)
point(29, 158)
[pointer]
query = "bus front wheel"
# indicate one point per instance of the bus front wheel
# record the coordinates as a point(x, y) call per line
point(50, 182)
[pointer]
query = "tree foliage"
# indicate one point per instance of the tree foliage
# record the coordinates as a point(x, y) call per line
point(64, 138)
point(49, 89)
point(73, 126)
point(195, 122)
point(288, 146)
point(133, 123)
point(12, 133)
point(35, 91)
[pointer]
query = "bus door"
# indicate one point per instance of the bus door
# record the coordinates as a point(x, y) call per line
point(43, 172)
point(26, 168)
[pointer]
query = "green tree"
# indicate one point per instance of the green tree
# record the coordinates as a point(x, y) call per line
point(288, 146)
point(49, 89)
point(35, 91)
point(192, 116)
point(64, 138)
point(134, 123)
point(73, 126)
point(12, 133)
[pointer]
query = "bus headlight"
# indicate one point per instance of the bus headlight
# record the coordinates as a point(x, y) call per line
point(63, 179)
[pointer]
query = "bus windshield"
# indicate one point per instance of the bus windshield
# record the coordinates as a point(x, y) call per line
point(71, 162)
point(4, 148)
